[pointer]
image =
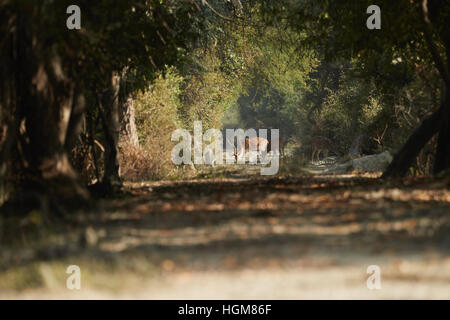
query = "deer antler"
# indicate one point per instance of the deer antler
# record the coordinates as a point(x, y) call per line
point(379, 139)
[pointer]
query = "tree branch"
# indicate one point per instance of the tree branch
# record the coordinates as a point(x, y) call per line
point(440, 64)
point(404, 158)
point(204, 2)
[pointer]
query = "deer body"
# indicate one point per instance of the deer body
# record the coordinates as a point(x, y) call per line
point(322, 144)
point(254, 144)
point(283, 142)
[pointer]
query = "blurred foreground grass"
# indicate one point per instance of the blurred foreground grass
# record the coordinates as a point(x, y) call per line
point(235, 234)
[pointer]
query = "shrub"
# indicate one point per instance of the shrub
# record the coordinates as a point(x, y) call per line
point(156, 119)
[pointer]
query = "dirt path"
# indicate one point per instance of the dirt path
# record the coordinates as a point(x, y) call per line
point(269, 238)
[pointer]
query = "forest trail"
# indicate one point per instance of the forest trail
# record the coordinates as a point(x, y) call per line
point(253, 237)
point(90, 100)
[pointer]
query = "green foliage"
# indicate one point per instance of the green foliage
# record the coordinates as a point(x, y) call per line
point(276, 76)
point(207, 92)
point(156, 116)
point(350, 110)
point(157, 108)
point(307, 67)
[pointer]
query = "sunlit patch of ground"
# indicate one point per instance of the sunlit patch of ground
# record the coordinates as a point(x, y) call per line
point(247, 236)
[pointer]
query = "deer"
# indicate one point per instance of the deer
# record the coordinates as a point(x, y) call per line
point(282, 144)
point(255, 143)
point(319, 144)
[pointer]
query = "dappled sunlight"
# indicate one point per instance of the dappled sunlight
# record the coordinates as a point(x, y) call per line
point(216, 213)
point(175, 233)
point(224, 149)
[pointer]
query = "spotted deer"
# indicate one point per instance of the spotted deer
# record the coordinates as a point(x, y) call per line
point(282, 145)
point(319, 144)
point(256, 143)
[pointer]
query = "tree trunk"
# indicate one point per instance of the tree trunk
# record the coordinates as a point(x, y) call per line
point(76, 119)
point(128, 132)
point(7, 140)
point(110, 118)
point(117, 114)
point(439, 122)
point(40, 101)
point(404, 159)
point(442, 158)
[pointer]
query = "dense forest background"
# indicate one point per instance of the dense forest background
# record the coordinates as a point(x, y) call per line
point(87, 181)
point(96, 106)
